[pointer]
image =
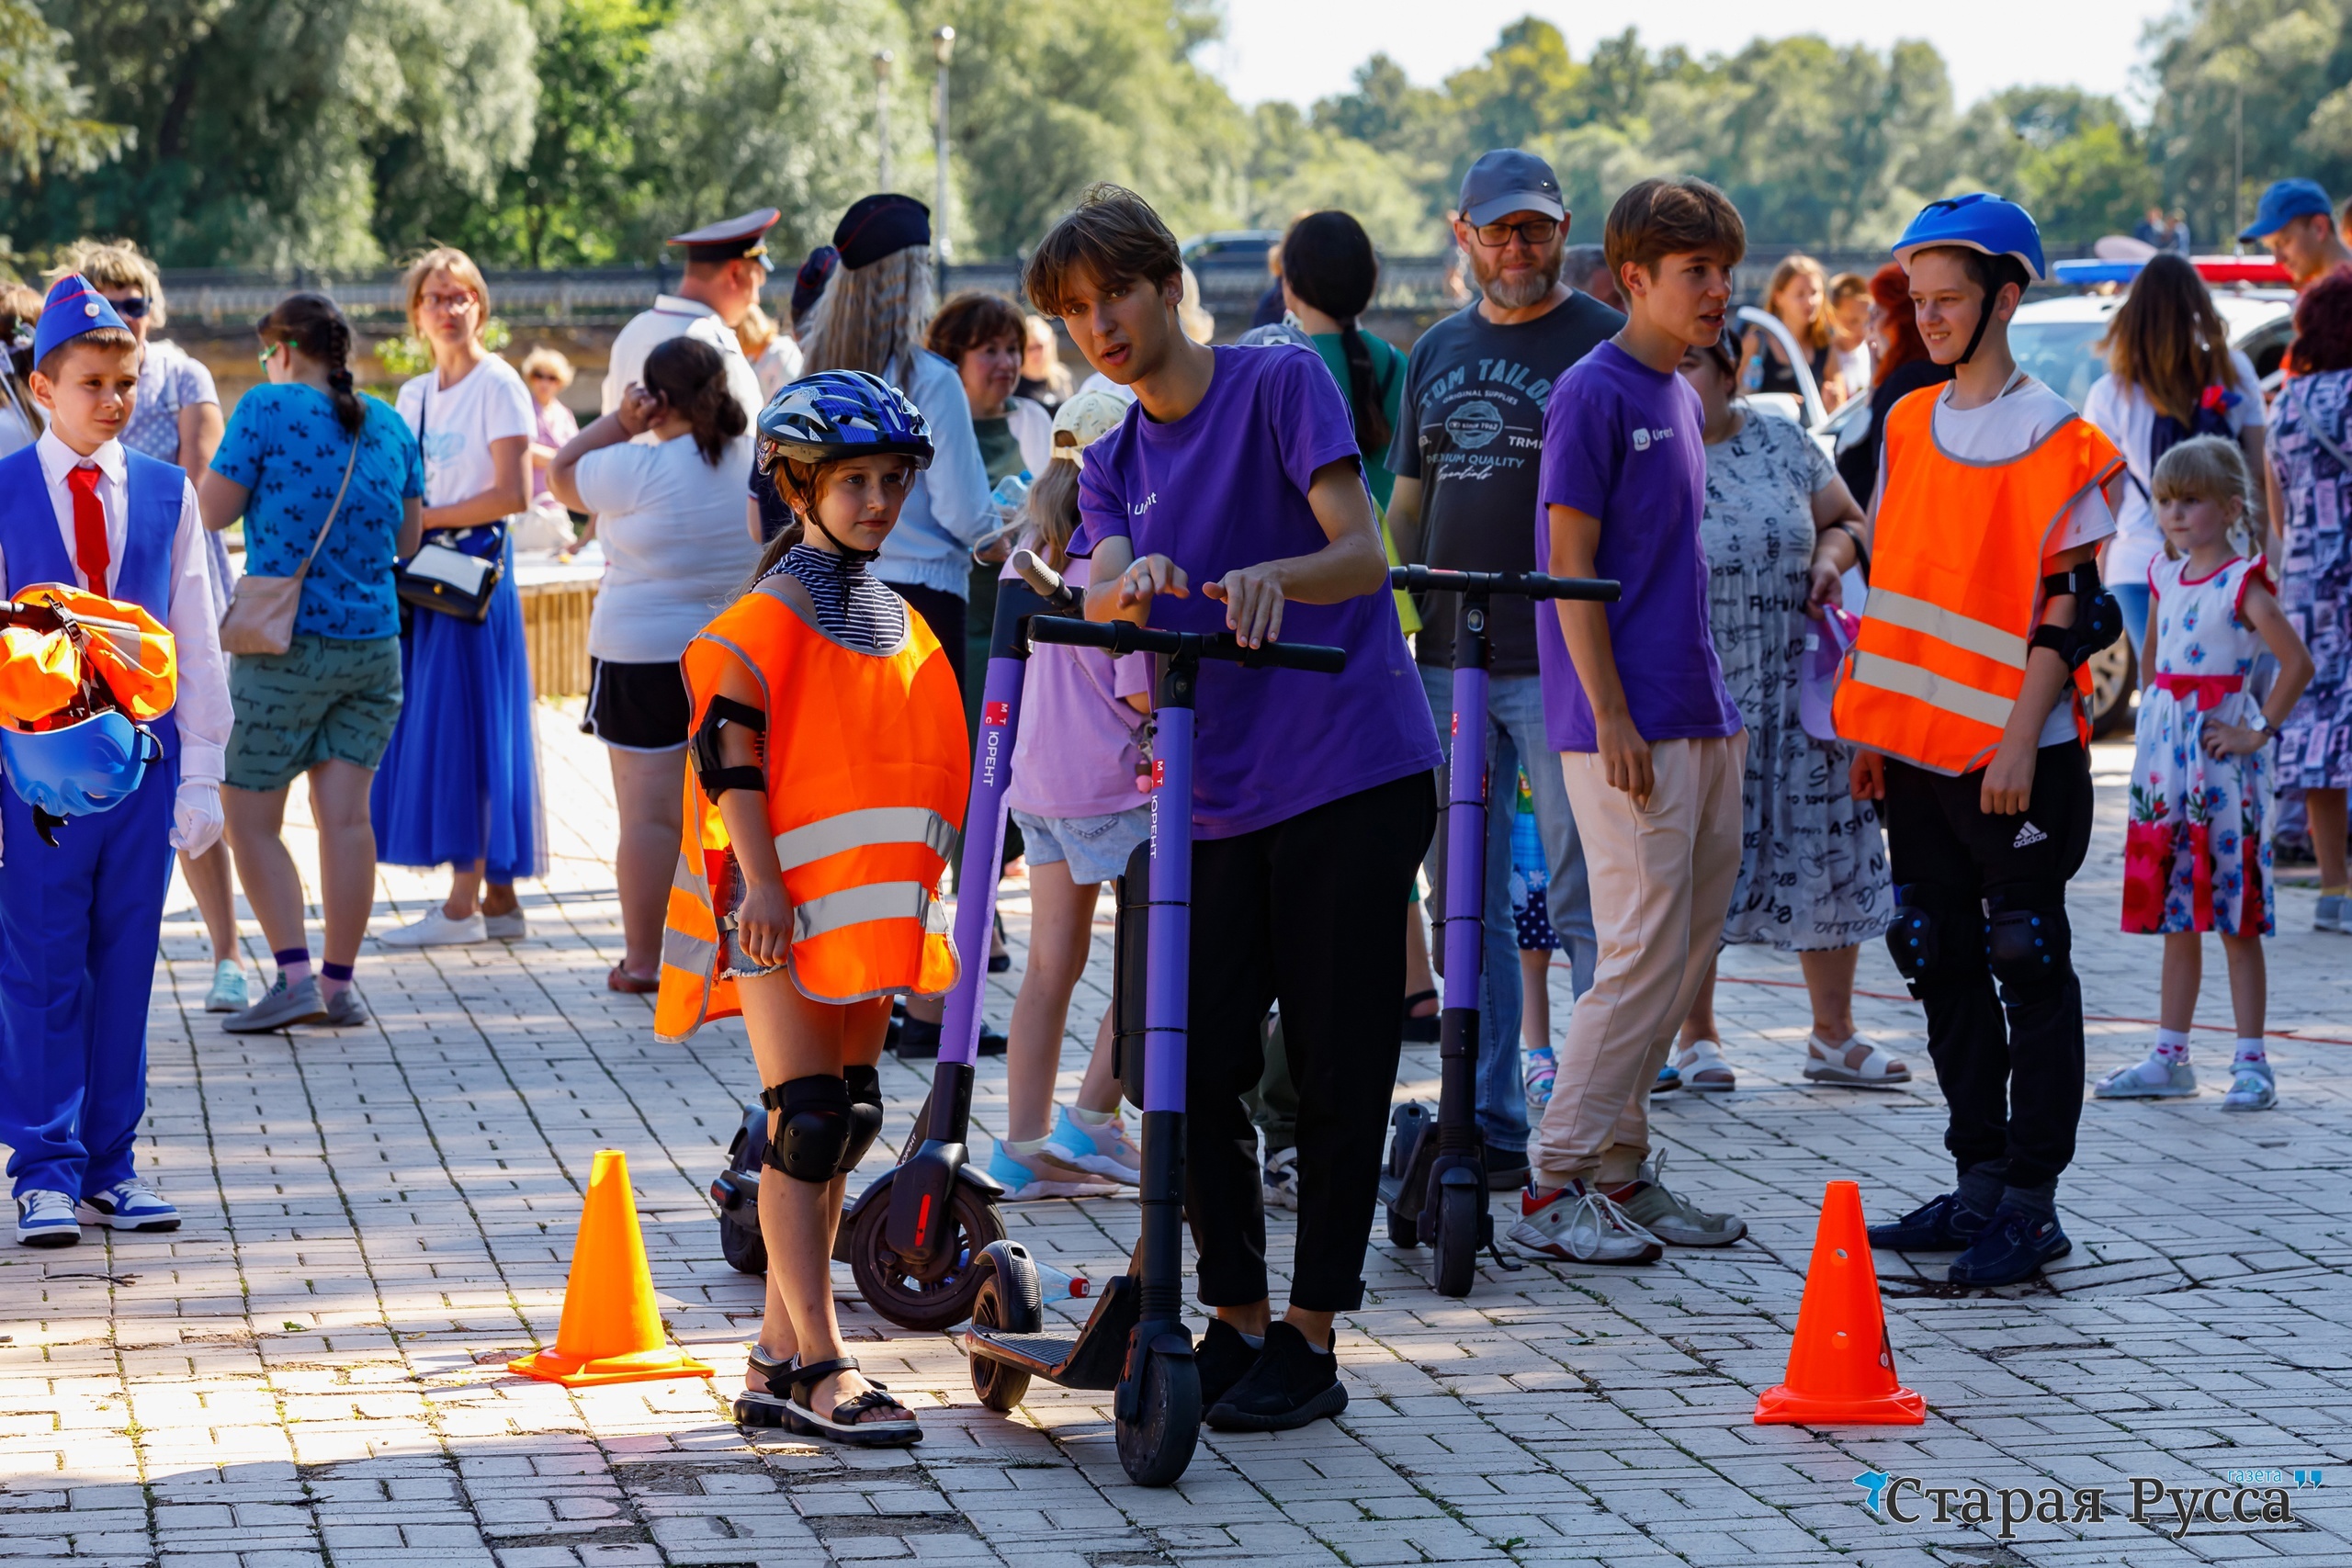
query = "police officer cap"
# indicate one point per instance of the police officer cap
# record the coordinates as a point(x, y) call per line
point(71, 309)
point(729, 237)
point(879, 226)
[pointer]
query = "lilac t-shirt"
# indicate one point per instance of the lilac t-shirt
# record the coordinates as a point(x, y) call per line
point(1225, 486)
point(1623, 443)
point(1079, 743)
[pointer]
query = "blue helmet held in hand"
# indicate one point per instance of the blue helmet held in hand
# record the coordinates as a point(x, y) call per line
point(77, 770)
point(843, 414)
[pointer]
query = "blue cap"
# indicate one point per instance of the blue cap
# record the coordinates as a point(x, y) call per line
point(2285, 201)
point(1507, 181)
point(71, 309)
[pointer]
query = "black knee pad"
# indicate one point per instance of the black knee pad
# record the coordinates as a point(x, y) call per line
point(864, 1085)
point(2028, 943)
point(812, 1126)
point(1914, 938)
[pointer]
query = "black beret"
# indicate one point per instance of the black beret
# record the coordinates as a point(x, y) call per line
point(879, 226)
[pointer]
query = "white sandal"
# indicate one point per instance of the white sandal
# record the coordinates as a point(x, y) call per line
point(1824, 1063)
point(1702, 1068)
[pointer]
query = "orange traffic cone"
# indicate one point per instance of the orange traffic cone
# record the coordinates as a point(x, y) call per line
point(1841, 1369)
point(611, 1330)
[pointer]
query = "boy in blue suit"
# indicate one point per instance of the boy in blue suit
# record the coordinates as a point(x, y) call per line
point(80, 920)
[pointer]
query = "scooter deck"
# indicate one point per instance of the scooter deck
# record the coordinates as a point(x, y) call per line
point(1092, 1359)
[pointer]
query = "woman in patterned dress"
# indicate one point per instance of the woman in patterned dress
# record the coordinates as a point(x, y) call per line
point(2311, 458)
point(1813, 876)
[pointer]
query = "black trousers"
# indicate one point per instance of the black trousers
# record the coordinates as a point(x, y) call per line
point(1301, 913)
point(2013, 1083)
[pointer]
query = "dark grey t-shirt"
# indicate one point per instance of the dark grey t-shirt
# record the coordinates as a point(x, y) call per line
point(1472, 418)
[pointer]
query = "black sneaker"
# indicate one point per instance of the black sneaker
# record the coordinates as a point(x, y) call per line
point(2014, 1245)
point(1290, 1385)
point(918, 1041)
point(1222, 1358)
point(1940, 1225)
point(1506, 1171)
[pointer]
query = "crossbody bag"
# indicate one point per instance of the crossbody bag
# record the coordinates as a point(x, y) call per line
point(261, 613)
point(457, 578)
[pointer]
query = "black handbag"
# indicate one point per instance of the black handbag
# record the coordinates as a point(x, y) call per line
point(457, 573)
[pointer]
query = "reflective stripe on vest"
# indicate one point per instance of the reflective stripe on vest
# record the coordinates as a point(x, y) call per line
point(1957, 564)
point(874, 901)
point(862, 829)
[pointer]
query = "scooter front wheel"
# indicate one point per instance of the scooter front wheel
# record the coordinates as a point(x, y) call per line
point(1007, 1302)
point(910, 1301)
point(1454, 1250)
point(1157, 1446)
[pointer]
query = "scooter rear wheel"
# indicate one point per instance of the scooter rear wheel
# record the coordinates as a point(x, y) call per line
point(897, 1295)
point(1404, 1230)
point(1454, 1249)
point(1007, 1302)
point(1157, 1446)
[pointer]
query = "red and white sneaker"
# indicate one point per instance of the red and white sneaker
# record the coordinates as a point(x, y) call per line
point(1580, 1223)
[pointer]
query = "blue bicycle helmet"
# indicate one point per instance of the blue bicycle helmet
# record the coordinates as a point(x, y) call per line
point(843, 414)
point(79, 769)
point(1980, 222)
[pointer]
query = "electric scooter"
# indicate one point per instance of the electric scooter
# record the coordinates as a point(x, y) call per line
point(911, 1237)
point(1135, 1341)
point(1434, 1184)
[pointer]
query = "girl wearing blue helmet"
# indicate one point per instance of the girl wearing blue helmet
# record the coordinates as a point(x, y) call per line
point(829, 780)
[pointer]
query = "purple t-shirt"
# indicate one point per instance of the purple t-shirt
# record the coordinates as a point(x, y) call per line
point(1623, 443)
point(1225, 487)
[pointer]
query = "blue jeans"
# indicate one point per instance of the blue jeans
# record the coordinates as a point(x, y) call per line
point(1514, 731)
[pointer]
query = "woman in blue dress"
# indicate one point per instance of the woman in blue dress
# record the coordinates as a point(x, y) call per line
point(459, 785)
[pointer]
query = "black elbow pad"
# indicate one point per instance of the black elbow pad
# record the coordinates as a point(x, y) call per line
point(710, 767)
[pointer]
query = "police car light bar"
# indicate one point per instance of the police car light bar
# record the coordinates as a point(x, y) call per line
point(2212, 269)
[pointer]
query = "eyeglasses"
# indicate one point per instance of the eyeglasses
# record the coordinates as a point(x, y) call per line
point(450, 304)
point(544, 375)
point(1535, 230)
point(132, 307)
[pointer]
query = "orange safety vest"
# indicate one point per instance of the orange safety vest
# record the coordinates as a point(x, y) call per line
point(1956, 569)
point(867, 778)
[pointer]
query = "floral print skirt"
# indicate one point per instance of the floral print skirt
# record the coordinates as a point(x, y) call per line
point(2197, 850)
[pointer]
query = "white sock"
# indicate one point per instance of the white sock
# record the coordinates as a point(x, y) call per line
point(1025, 1145)
point(2172, 1046)
point(2250, 1053)
point(1085, 1118)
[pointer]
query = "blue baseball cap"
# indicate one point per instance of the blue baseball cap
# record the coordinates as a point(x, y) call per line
point(1507, 181)
point(71, 309)
point(2285, 201)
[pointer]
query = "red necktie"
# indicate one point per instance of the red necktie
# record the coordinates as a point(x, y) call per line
point(89, 526)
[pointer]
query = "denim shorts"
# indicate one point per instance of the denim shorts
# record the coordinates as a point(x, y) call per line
point(1095, 847)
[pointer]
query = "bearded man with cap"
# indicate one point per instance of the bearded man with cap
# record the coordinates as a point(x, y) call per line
point(726, 267)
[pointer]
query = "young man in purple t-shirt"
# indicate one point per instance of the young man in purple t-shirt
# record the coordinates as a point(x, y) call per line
point(1232, 499)
point(1634, 701)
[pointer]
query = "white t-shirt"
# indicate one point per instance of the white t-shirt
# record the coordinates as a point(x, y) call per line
point(674, 317)
point(454, 426)
point(2127, 415)
point(1853, 368)
point(675, 548)
point(2001, 431)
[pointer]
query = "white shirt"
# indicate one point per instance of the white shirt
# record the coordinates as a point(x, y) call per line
point(2127, 415)
point(455, 426)
point(202, 713)
point(674, 316)
point(1853, 368)
point(675, 550)
point(2001, 431)
point(777, 367)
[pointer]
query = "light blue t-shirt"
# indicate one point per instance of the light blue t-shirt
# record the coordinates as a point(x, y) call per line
point(284, 447)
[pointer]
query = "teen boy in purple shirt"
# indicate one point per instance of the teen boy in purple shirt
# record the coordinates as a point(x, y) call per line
point(1650, 745)
point(1232, 499)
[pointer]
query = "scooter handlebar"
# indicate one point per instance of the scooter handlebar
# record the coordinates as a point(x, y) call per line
point(1060, 598)
point(1513, 585)
point(1125, 637)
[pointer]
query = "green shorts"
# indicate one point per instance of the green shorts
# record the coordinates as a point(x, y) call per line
point(323, 697)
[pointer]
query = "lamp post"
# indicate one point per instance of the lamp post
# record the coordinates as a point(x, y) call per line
point(943, 48)
point(882, 59)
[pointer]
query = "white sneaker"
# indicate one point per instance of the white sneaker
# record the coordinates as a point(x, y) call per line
point(45, 1218)
point(2153, 1079)
point(1580, 1223)
point(228, 993)
point(1279, 1177)
point(438, 930)
point(2331, 915)
point(508, 927)
point(128, 1205)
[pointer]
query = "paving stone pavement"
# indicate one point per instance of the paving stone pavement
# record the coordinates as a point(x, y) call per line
point(312, 1371)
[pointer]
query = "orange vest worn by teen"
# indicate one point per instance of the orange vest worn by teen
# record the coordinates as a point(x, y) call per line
point(1956, 568)
point(866, 776)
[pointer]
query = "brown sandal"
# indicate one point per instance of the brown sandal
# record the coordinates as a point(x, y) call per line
point(621, 980)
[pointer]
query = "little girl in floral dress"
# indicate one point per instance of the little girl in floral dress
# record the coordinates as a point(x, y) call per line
point(2197, 852)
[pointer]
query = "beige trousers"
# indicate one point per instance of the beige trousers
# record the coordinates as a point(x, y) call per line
point(1662, 880)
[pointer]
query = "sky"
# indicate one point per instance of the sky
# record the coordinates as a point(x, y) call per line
point(1304, 49)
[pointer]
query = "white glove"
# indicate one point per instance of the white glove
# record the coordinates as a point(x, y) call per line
point(195, 817)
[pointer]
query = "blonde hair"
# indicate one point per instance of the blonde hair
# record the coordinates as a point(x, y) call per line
point(755, 332)
point(114, 263)
point(872, 317)
point(1053, 513)
point(2203, 467)
point(547, 360)
point(1819, 331)
point(460, 267)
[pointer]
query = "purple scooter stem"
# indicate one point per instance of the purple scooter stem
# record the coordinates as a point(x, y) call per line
point(1169, 970)
point(977, 871)
point(1466, 843)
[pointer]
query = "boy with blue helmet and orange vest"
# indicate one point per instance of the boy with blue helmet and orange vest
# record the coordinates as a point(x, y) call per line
point(82, 905)
point(829, 778)
point(1967, 686)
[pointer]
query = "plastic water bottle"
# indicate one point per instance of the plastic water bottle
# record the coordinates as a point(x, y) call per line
point(1010, 492)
